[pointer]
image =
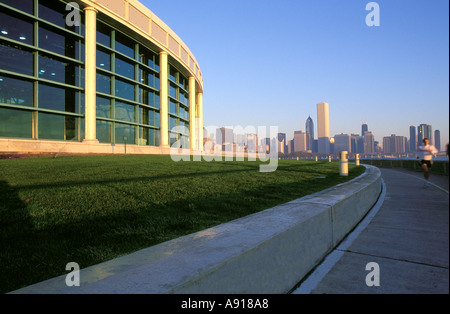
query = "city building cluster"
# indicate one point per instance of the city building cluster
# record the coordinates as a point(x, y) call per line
point(227, 140)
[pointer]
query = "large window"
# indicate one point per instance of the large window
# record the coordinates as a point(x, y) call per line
point(41, 71)
point(125, 133)
point(16, 92)
point(104, 107)
point(178, 108)
point(15, 58)
point(60, 43)
point(124, 89)
point(57, 70)
point(55, 12)
point(12, 27)
point(104, 131)
point(127, 88)
point(22, 5)
point(103, 59)
point(103, 83)
point(15, 123)
point(62, 99)
point(58, 127)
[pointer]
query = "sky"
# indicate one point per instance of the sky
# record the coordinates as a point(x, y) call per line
point(268, 63)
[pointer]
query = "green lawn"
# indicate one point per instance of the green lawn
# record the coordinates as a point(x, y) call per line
point(94, 208)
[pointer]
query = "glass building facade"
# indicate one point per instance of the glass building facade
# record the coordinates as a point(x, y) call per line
point(41, 72)
point(43, 81)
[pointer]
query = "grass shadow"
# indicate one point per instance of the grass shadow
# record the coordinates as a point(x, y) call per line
point(47, 224)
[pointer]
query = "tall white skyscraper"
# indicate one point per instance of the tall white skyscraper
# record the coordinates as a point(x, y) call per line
point(323, 127)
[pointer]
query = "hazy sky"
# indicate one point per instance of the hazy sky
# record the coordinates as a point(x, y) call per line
point(267, 62)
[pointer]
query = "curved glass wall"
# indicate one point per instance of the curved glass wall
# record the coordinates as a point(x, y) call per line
point(127, 90)
point(41, 72)
point(42, 79)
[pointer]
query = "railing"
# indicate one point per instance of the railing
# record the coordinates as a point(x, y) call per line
point(439, 166)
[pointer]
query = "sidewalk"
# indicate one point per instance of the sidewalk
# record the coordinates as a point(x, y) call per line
point(406, 234)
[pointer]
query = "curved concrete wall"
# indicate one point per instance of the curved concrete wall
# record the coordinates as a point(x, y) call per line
point(267, 252)
point(139, 19)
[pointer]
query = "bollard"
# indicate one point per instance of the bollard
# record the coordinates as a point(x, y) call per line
point(329, 158)
point(343, 163)
point(357, 159)
point(316, 158)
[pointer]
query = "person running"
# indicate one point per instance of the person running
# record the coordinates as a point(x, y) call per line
point(425, 154)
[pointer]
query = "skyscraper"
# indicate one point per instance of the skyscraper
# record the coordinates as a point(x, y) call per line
point(225, 138)
point(364, 128)
point(369, 145)
point(394, 144)
point(309, 128)
point(424, 131)
point(300, 141)
point(342, 143)
point(357, 143)
point(412, 139)
point(437, 140)
point(323, 127)
point(282, 143)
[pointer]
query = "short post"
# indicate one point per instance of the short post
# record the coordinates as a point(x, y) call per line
point(357, 159)
point(329, 158)
point(316, 158)
point(343, 163)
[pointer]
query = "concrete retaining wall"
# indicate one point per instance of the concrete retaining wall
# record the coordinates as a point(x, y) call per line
point(267, 252)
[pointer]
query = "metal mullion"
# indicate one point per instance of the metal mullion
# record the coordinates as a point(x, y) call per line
point(35, 114)
point(61, 113)
point(113, 85)
point(136, 93)
point(149, 107)
point(58, 84)
point(113, 122)
point(147, 86)
point(34, 118)
point(147, 67)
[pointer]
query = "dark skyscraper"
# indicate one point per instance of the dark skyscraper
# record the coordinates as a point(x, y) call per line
point(364, 128)
point(424, 131)
point(412, 139)
point(437, 140)
point(309, 128)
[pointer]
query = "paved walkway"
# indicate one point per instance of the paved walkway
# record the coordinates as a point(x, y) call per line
point(406, 235)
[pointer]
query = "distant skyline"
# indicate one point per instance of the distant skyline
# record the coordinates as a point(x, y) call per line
point(271, 62)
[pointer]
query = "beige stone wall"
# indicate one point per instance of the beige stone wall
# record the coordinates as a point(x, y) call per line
point(135, 16)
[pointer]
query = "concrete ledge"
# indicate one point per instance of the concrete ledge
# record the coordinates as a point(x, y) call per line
point(67, 147)
point(267, 252)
